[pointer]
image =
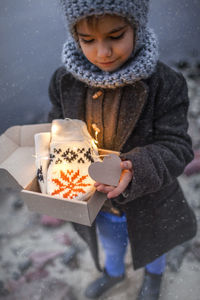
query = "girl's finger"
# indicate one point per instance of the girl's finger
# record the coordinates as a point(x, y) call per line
point(97, 184)
point(105, 188)
point(126, 164)
point(126, 178)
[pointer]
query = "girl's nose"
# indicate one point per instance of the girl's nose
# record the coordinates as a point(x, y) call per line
point(104, 50)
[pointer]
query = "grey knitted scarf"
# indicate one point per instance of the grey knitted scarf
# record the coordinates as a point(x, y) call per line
point(139, 66)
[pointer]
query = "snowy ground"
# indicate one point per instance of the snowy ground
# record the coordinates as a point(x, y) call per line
point(44, 263)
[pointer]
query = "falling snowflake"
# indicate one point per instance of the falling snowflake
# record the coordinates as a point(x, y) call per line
point(74, 184)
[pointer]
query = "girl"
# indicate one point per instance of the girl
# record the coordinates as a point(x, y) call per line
point(112, 80)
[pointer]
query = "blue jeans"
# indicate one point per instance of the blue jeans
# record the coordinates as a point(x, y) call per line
point(113, 234)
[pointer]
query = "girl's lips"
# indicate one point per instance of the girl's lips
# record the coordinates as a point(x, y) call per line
point(107, 63)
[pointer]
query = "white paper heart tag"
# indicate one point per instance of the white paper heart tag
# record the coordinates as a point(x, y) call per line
point(108, 171)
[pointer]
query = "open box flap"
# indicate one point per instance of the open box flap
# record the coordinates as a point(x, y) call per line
point(28, 132)
point(21, 166)
point(8, 181)
point(7, 147)
point(13, 133)
point(17, 154)
point(93, 210)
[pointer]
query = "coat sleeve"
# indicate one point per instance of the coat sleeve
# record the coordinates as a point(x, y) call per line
point(54, 95)
point(158, 164)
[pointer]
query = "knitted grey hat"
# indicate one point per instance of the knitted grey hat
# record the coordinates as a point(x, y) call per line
point(135, 11)
point(142, 61)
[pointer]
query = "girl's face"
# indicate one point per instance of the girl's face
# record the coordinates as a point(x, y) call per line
point(107, 43)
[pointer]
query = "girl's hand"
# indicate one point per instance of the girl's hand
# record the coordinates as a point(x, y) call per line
point(126, 177)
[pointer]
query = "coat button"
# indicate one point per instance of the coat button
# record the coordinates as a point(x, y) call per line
point(97, 95)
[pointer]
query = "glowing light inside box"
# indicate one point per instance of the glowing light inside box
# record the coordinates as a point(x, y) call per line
point(94, 143)
point(96, 136)
point(96, 131)
point(54, 128)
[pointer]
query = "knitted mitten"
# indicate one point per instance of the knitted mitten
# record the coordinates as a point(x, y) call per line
point(42, 142)
point(71, 153)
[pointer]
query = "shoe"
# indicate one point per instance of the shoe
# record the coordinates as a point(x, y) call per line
point(150, 289)
point(101, 285)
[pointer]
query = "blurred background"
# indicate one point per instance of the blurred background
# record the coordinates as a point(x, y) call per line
point(32, 33)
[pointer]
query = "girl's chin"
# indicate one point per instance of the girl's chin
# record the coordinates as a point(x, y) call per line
point(108, 68)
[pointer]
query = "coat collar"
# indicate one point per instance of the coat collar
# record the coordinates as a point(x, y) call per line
point(133, 100)
point(73, 93)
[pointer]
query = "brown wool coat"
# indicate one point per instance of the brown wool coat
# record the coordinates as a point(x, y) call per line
point(152, 133)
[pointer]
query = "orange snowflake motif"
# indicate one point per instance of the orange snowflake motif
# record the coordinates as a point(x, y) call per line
point(74, 184)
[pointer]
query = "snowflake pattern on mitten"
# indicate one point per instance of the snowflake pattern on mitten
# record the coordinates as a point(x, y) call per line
point(68, 172)
point(71, 153)
point(71, 182)
point(40, 176)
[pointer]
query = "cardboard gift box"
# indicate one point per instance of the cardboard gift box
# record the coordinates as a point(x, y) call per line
point(18, 171)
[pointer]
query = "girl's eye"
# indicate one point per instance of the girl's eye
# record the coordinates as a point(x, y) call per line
point(87, 41)
point(117, 37)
